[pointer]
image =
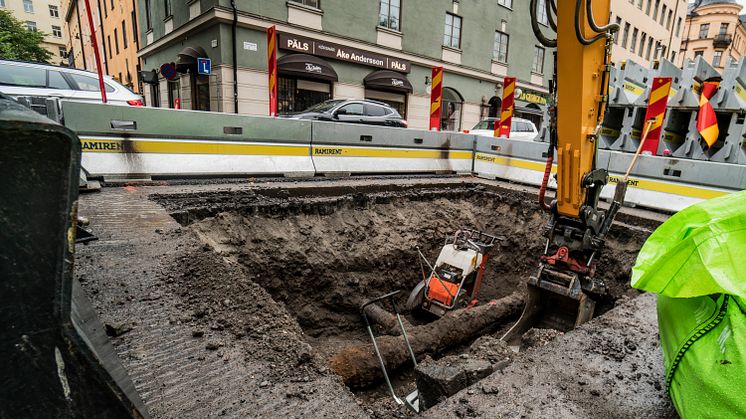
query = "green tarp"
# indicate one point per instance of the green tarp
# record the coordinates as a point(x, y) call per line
point(695, 262)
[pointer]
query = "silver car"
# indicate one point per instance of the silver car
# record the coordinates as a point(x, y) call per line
point(19, 79)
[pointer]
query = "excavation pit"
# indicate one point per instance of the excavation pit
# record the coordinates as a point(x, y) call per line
point(320, 253)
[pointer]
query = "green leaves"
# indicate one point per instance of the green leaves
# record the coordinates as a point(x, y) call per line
point(17, 43)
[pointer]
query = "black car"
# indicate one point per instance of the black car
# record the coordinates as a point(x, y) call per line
point(354, 111)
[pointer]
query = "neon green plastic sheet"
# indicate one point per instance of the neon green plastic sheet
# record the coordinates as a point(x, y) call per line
point(696, 263)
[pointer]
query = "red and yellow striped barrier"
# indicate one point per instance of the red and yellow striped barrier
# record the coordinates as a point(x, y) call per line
point(272, 68)
point(506, 109)
point(707, 121)
point(656, 110)
point(436, 98)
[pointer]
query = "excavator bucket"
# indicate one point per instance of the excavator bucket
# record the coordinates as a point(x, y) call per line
point(550, 305)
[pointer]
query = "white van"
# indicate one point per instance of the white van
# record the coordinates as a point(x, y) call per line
point(520, 129)
point(19, 78)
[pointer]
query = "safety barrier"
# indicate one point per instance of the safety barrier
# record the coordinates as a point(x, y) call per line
point(138, 142)
point(127, 142)
point(347, 148)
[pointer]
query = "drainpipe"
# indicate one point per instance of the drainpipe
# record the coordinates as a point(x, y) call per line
point(235, 57)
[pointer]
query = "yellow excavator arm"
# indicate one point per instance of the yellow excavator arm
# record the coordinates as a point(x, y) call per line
point(564, 289)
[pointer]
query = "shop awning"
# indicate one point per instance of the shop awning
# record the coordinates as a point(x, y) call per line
point(388, 80)
point(307, 66)
point(187, 58)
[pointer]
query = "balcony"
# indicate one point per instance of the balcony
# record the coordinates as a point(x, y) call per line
point(722, 40)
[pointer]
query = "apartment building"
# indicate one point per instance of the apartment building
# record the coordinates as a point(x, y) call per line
point(116, 28)
point(649, 29)
point(715, 30)
point(44, 16)
point(376, 49)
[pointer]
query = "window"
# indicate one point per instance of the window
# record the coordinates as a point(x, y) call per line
point(116, 41)
point(704, 30)
point(723, 28)
point(625, 35)
point(506, 3)
point(106, 14)
point(633, 44)
point(2, 3)
point(88, 83)
point(452, 36)
point(56, 81)
point(698, 54)
point(451, 111)
point(174, 99)
point(389, 14)
point(31, 26)
point(54, 11)
point(663, 14)
point(647, 9)
point(63, 52)
point(351, 109)
point(673, 56)
point(670, 18)
point(650, 48)
point(716, 58)
point(541, 12)
point(310, 3)
point(655, 9)
point(538, 63)
point(375, 110)
point(678, 27)
point(639, 4)
point(500, 49)
point(124, 35)
point(657, 50)
point(167, 8)
point(641, 51)
point(112, 4)
point(108, 40)
point(12, 75)
point(148, 17)
point(616, 34)
point(155, 95)
point(28, 6)
point(56, 31)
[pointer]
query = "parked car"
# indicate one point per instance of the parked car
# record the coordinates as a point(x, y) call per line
point(520, 129)
point(19, 79)
point(358, 111)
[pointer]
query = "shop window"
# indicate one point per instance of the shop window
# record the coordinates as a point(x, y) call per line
point(155, 95)
point(296, 95)
point(451, 111)
point(174, 96)
point(200, 92)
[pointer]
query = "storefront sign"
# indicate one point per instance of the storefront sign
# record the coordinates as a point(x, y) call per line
point(532, 97)
point(342, 53)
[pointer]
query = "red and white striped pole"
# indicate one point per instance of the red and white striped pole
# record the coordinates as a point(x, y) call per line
point(272, 68)
point(502, 129)
point(96, 54)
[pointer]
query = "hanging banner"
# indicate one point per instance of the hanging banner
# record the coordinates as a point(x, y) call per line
point(506, 110)
point(436, 98)
point(707, 121)
point(272, 69)
point(657, 103)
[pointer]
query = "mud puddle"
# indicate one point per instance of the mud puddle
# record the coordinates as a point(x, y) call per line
point(322, 255)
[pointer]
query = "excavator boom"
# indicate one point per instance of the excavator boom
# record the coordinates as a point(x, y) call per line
point(562, 293)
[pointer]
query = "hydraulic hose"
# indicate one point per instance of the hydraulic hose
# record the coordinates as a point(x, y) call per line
point(578, 31)
point(551, 9)
point(549, 43)
point(545, 181)
point(610, 27)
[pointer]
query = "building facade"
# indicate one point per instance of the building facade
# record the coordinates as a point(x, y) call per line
point(44, 16)
point(649, 30)
point(377, 49)
point(714, 30)
point(117, 33)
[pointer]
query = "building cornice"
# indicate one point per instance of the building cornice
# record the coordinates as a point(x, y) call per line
point(245, 20)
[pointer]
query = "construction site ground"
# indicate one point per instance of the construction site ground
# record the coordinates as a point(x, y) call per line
point(227, 298)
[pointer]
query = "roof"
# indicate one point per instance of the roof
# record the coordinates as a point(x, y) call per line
point(701, 3)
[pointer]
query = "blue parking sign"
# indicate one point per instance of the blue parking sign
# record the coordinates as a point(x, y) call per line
point(204, 66)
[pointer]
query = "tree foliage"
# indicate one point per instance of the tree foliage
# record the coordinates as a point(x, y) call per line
point(18, 43)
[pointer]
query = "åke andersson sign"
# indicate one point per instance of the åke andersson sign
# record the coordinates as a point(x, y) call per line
point(342, 53)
